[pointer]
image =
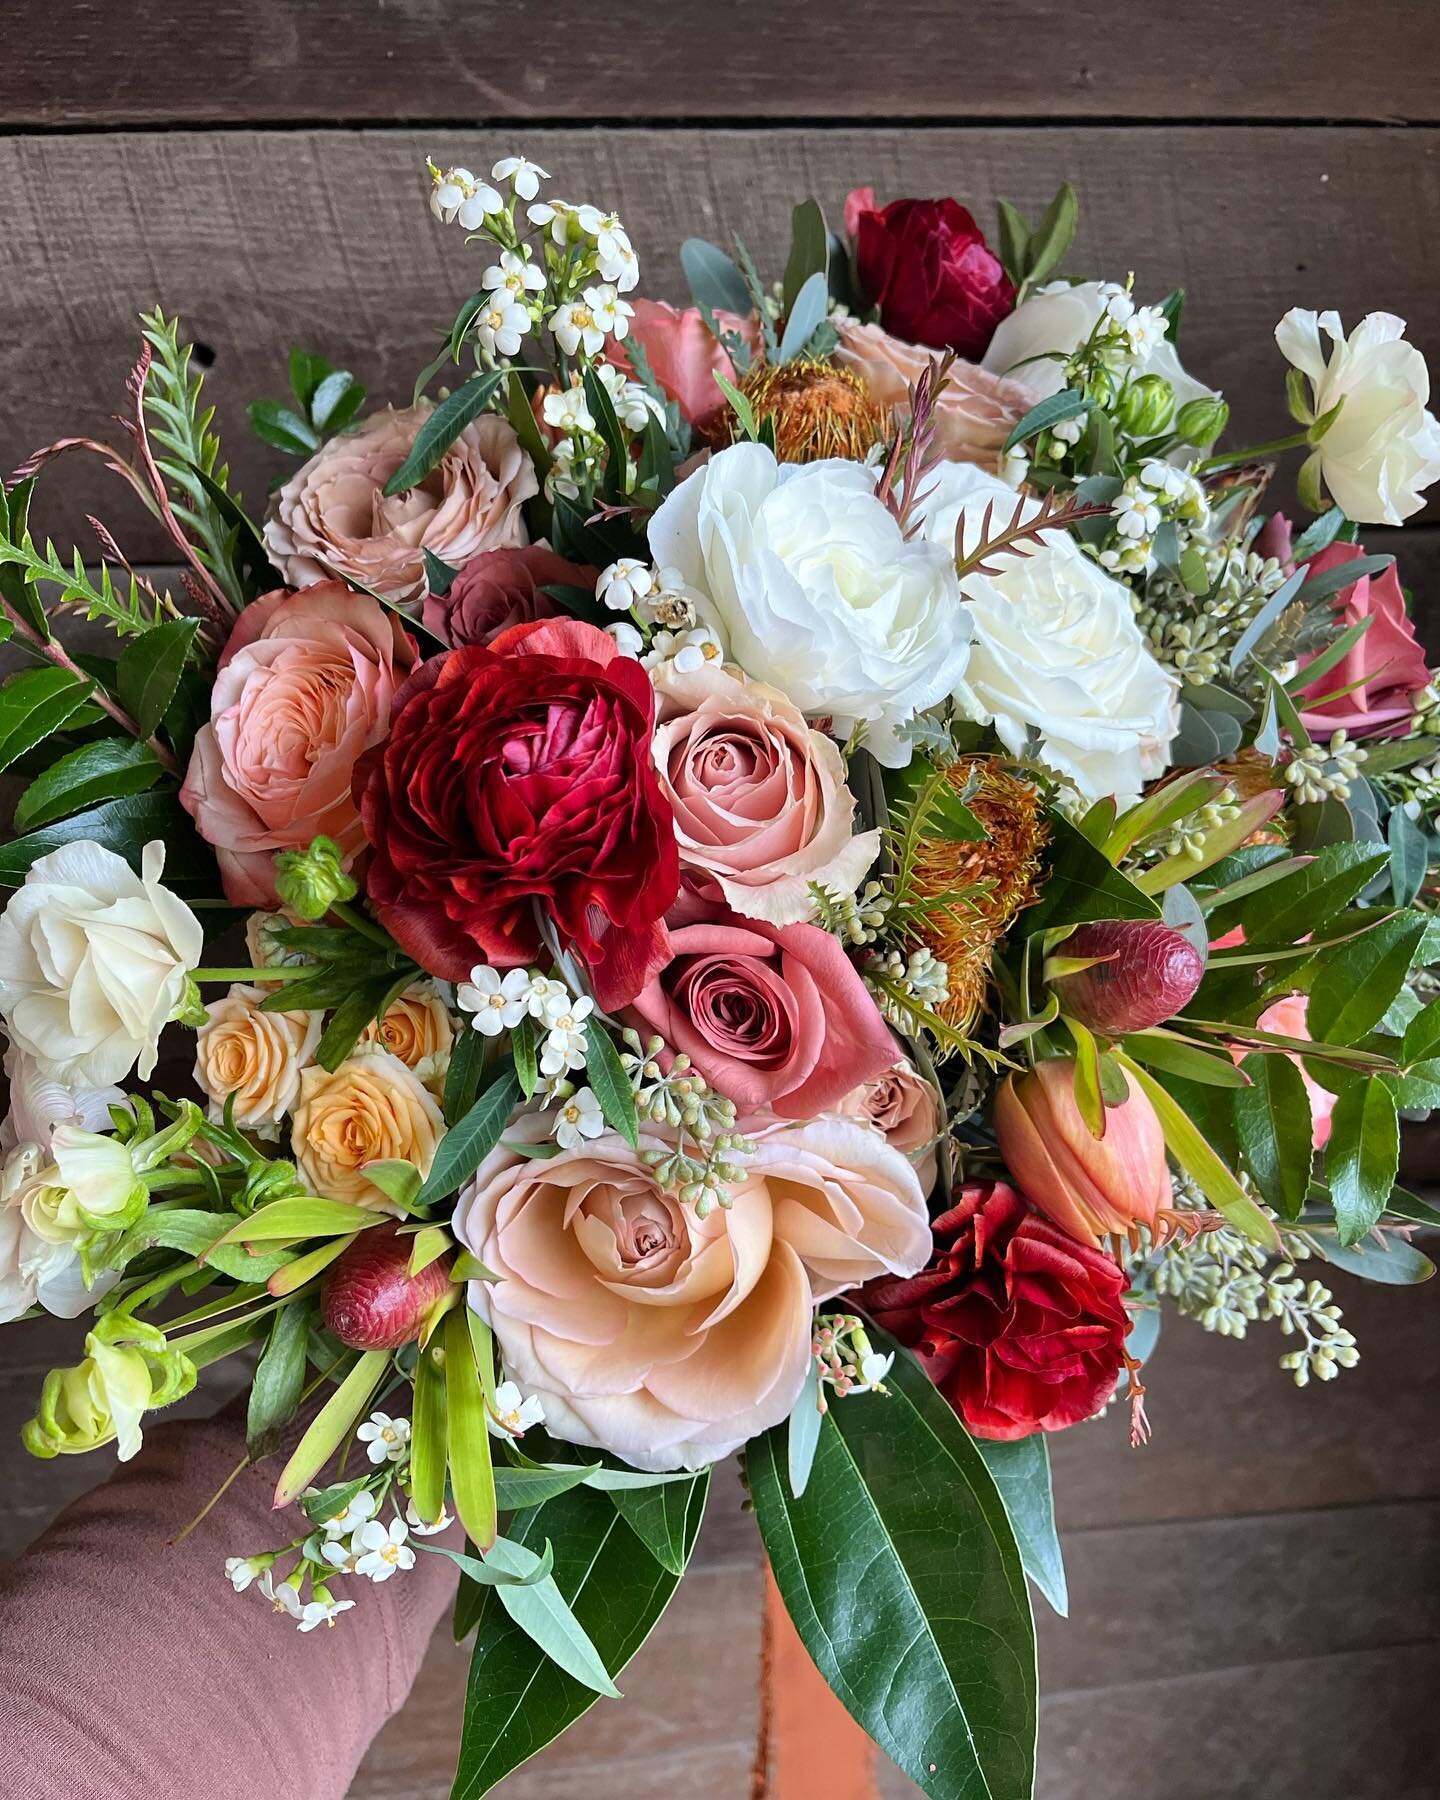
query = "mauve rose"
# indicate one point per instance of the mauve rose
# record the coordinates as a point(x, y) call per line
point(684, 355)
point(773, 1016)
point(926, 265)
point(1021, 1328)
point(304, 685)
point(333, 517)
point(975, 412)
point(760, 801)
point(501, 588)
point(904, 1107)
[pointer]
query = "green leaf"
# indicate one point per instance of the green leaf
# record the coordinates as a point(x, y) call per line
point(602, 409)
point(1052, 237)
point(900, 1570)
point(439, 576)
point(1014, 238)
point(331, 1423)
point(1405, 1205)
point(1082, 885)
point(296, 1219)
point(1359, 980)
point(462, 1078)
point(99, 771)
point(34, 704)
point(466, 1145)
point(1396, 1262)
point(472, 1478)
point(809, 249)
point(427, 1245)
point(1409, 856)
point(278, 1381)
point(522, 1048)
point(1318, 535)
point(331, 1501)
point(516, 1490)
point(1337, 875)
point(807, 315)
point(366, 1002)
point(442, 428)
point(428, 1435)
point(1342, 575)
point(542, 1613)
point(715, 282)
point(1361, 1156)
point(660, 1517)
point(1051, 411)
point(149, 670)
point(1255, 632)
point(398, 1180)
point(1272, 1117)
point(1159, 1049)
point(1021, 1471)
point(611, 1085)
point(336, 400)
point(282, 428)
point(518, 1700)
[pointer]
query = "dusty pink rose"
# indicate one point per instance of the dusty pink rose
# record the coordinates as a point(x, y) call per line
point(903, 1106)
point(684, 354)
point(976, 410)
point(332, 517)
point(303, 686)
point(663, 1337)
point(774, 1016)
point(760, 801)
point(501, 588)
point(1288, 1018)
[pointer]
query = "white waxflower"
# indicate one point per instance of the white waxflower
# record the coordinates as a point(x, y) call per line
point(634, 405)
point(456, 196)
point(1119, 306)
point(1136, 513)
point(501, 324)
point(286, 1597)
point(561, 479)
point(685, 652)
point(612, 314)
point(361, 1509)
point(566, 409)
point(1383, 450)
point(322, 1612)
point(874, 1368)
point(615, 255)
point(1068, 431)
point(575, 326)
point(516, 274)
point(581, 1117)
point(418, 1527)
point(343, 1554)
point(566, 1041)
point(514, 1413)
point(627, 639)
point(625, 581)
point(1145, 331)
point(544, 994)
point(383, 1549)
point(242, 1570)
point(523, 175)
point(496, 1002)
point(388, 1439)
point(557, 214)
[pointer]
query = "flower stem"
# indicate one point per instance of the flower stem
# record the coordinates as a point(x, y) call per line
point(1232, 458)
point(273, 973)
point(357, 921)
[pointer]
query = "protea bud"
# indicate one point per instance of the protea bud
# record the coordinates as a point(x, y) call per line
point(370, 1300)
point(1089, 1186)
point(1150, 972)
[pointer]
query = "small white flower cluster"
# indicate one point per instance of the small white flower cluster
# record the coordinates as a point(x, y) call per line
point(845, 1360)
point(1159, 493)
point(1319, 771)
point(580, 448)
point(1126, 333)
point(499, 1002)
point(663, 628)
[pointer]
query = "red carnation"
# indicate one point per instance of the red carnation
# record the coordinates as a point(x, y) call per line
point(517, 780)
point(926, 265)
point(1019, 1326)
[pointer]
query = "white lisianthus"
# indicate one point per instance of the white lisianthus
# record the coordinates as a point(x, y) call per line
point(33, 1270)
point(93, 960)
point(1383, 450)
point(38, 1103)
point(808, 579)
point(91, 1185)
point(1056, 649)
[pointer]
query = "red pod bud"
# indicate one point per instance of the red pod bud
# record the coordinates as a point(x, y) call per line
point(370, 1300)
point(1151, 972)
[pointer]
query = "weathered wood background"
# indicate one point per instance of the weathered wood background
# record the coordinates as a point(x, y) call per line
point(1254, 1596)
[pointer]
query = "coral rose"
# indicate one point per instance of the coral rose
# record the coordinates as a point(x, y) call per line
point(520, 776)
point(371, 1109)
point(666, 1338)
point(256, 1056)
point(774, 1016)
point(417, 1026)
point(501, 588)
point(1020, 1328)
point(333, 517)
point(304, 685)
point(903, 1106)
point(760, 801)
point(926, 265)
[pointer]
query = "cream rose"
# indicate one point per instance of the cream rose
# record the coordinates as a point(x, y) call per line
point(416, 1027)
point(1056, 650)
point(1383, 449)
point(808, 578)
point(760, 801)
point(371, 1109)
point(333, 517)
point(256, 1056)
point(903, 1106)
point(93, 960)
point(663, 1337)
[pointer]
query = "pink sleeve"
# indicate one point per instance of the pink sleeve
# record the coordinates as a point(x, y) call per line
point(130, 1670)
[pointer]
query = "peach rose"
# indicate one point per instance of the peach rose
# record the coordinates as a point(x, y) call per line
point(256, 1056)
point(303, 686)
point(372, 1109)
point(902, 1105)
point(417, 1026)
point(976, 410)
point(760, 801)
point(333, 517)
point(665, 1338)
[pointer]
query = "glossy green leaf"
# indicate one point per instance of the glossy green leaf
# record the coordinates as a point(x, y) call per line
point(1409, 856)
point(900, 1570)
point(522, 1049)
point(472, 1476)
point(1021, 1471)
point(516, 1490)
point(33, 704)
point(1361, 1156)
point(466, 1145)
point(1082, 885)
point(1358, 982)
point(125, 826)
point(1051, 239)
point(611, 1085)
point(100, 771)
point(660, 1517)
point(462, 1078)
point(149, 670)
point(278, 1381)
point(330, 1424)
point(1272, 1117)
point(442, 428)
point(305, 1217)
point(1163, 1050)
point(1309, 897)
point(1046, 414)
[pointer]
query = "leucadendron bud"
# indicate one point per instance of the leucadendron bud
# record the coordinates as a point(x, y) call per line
point(1201, 421)
point(1146, 406)
point(311, 881)
point(128, 1370)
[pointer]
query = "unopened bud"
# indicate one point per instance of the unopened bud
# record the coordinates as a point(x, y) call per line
point(1147, 406)
point(311, 881)
point(1200, 422)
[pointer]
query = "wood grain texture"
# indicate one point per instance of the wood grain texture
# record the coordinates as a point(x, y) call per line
point(262, 239)
point(90, 62)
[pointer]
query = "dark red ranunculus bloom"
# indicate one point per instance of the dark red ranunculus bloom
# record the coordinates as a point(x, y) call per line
point(518, 777)
point(1019, 1326)
point(926, 265)
point(501, 588)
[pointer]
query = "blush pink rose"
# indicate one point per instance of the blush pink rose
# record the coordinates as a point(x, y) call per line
point(303, 687)
point(501, 588)
point(333, 517)
point(1288, 1018)
point(903, 1106)
point(662, 1337)
point(976, 411)
point(760, 801)
point(685, 355)
point(773, 1016)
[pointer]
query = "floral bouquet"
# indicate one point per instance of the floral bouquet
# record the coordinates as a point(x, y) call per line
point(781, 876)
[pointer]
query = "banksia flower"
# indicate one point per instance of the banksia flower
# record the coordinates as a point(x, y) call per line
point(816, 409)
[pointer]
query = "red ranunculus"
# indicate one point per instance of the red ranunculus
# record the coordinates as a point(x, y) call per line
point(926, 265)
point(1019, 1326)
point(517, 779)
point(501, 588)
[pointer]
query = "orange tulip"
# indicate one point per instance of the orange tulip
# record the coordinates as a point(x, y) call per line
point(1089, 1186)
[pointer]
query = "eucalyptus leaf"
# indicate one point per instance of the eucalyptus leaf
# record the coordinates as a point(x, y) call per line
point(807, 314)
point(715, 283)
point(1396, 1262)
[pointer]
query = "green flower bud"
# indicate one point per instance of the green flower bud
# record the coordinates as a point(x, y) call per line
point(1101, 387)
point(128, 1370)
point(1147, 406)
point(267, 1181)
point(311, 881)
point(1202, 421)
point(190, 1010)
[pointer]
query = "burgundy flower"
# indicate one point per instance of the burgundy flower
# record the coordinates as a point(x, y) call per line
point(1151, 973)
point(1019, 1326)
point(926, 265)
point(501, 588)
point(517, 780)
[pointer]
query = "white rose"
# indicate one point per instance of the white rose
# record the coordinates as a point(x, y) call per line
point(1056, 648)
point(1383, 450)
point(809, 580)
point(93, 961)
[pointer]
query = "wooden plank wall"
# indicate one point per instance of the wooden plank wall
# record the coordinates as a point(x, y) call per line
point(1254, 1595)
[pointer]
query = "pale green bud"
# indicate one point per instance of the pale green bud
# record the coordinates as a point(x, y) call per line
point(128, 1370)
point(311, 881)
point(1201, 422)
point(1147, 406)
